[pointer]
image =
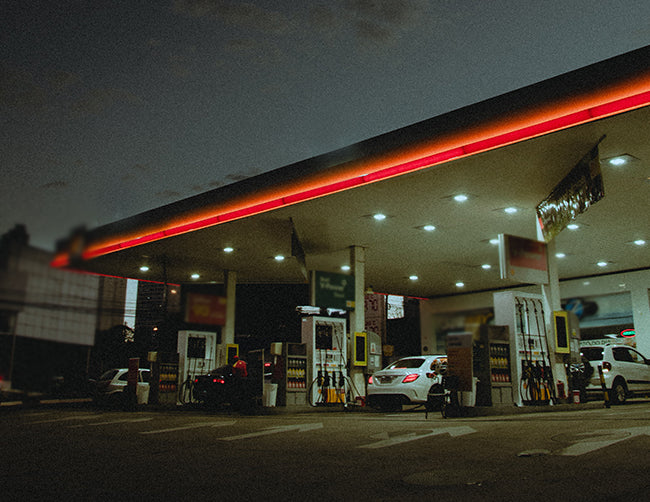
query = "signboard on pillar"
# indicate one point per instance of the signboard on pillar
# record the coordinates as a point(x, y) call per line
point(376, 314)
point(523, 259)
point(334, 291)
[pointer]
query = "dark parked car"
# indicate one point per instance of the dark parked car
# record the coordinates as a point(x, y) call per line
point(220, 386)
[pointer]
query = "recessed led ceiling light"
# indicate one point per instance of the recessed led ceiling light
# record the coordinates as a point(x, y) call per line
point(486, 266)
point(620, 160)
point(379, 216)
point(573, 226)
point(429, 228)
point(228, 249)
point(639, 242)
point(144, 268)
point(413, 277)
point(511, 210)
point(195, 276)
point(345, 268)
point(460, 284)
point(560, 255)
point(460, 198)
point(602, 263)
point(278, 258)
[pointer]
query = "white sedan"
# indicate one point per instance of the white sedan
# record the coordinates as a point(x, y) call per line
point(406, 381)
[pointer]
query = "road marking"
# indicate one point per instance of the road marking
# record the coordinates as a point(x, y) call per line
point(125, 420)
point(276, 430)
point(191, 426)
point(602, 439)
point(65, 419)
point(412, 436)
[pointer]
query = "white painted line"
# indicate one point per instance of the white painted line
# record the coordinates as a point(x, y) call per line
point(603, 439)
point(189, 427)
point(390, 441)
point(275, 430)
point(110, 422)
point(65, 419)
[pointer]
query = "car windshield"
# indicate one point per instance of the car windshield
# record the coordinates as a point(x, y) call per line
point(593, 353)
point(108, 375)
point(406, 363)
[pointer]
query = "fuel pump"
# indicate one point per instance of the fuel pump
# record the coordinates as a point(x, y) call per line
point(196, 356)
point(326, 342)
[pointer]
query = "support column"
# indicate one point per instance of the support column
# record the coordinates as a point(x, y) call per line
point(228, 333)
point(641, 314)
point(553, 301)
point(358, 315)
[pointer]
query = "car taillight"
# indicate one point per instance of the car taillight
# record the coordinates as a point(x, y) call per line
point(370, 381)
point(607, 366)
point(410, 378)
point(218, 380)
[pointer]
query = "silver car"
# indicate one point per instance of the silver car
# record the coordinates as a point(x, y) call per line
point(406, 381)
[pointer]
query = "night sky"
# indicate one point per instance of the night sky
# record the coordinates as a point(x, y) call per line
point(110, 108)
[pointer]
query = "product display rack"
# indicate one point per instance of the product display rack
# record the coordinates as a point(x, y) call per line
point(293, 386)
point(168, 386)
point(499, 364)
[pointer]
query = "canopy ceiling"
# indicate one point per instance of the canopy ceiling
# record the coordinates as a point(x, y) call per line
point(507, 152)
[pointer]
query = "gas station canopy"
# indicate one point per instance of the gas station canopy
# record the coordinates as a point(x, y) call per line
point(506, 153)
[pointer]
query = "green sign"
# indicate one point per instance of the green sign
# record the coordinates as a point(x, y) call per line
point(334, 291)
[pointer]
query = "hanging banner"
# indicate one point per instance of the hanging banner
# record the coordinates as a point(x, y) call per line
point(579, 189)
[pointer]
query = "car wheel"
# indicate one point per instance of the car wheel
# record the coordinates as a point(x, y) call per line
point(618, 394)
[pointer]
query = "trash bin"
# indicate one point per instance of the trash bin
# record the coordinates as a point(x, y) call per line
point(270, 394)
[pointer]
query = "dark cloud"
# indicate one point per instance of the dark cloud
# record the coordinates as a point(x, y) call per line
point(99, 100)
point(137, 170)
point(53, 185)
point(371, 21)
point(238, 14)
point(19, 89)
point(168, 194)
point(236, 177)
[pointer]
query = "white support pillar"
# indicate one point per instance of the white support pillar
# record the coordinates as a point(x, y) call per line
point(641, 314)
point(358, 315)
point(228, 333)
point(358, 267)
point(552, 301)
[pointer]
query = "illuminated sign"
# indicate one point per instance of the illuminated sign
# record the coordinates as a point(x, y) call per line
point(523, 259)
point(578, 190)
point(335, 291)
point(205, 309)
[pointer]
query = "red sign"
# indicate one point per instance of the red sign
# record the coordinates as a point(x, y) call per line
point(523, 259)
point(205, 309)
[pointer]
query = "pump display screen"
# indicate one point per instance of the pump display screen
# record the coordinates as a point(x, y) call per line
point(560, 326)
point(196, 347)
point(323, 337)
